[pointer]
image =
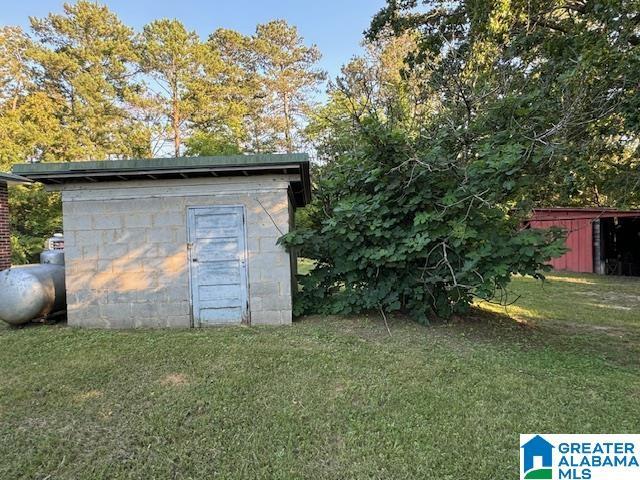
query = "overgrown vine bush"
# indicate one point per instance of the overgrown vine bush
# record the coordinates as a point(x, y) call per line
point(393, 230)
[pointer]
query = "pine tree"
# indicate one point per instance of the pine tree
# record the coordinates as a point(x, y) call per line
point(290, 74)
point(174, 58)
point(84, 64)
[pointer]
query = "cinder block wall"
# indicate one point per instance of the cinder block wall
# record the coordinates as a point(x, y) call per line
point(5, 238)
point(126, 249)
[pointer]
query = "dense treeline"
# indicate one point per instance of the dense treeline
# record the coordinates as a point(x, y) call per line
point(465, 115)
point(82, 85)
point(435, 144)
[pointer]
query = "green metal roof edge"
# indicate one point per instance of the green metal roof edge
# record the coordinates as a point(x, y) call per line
point(11, 178)
point(160, 163)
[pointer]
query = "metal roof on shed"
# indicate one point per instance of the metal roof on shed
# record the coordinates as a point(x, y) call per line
point(564, 213)
point(12, 179)
point(171, 168)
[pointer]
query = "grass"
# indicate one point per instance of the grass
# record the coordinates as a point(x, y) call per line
point(326, 398)
point(600, 314)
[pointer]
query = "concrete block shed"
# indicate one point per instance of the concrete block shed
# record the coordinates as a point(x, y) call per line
point(178, 242)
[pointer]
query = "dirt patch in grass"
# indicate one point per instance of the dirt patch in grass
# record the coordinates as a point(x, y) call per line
point(174, 380)
point(88, 395)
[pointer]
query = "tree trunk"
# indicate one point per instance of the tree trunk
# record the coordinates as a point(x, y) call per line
point(287, 124)
point(176, 134)
point(175, 120)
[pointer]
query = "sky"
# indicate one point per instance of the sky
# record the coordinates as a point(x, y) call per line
point(335, 26)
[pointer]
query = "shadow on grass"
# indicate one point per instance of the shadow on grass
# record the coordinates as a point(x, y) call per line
point(614, 345)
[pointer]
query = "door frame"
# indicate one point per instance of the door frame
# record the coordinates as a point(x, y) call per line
point(246, 308)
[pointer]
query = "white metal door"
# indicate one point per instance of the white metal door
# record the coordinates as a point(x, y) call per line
point(218, 265)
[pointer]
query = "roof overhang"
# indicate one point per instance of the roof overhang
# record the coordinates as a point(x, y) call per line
point(175, 168)
point(574, 213)
point(12, 179)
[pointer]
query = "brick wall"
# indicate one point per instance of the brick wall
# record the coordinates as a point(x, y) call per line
point(5, 240)
point(126, 250)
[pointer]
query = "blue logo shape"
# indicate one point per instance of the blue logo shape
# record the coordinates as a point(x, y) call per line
point(538, 447)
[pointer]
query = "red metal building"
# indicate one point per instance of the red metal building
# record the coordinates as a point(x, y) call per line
point(600, 240)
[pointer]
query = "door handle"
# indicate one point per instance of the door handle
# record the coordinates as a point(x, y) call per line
point(194, 260)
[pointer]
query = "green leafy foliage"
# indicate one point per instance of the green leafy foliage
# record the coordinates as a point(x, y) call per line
point(289, 74)
point(35, 216)
point(553, 84)
point(391, 232)
point(422, 200)
point(498, 107)
point(173, 57)
point(82, 85)
point(82, 64)
point(201, 143)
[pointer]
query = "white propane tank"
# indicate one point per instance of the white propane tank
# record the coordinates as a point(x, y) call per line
point(52, 257)
point(33, 291)
point(28, 292)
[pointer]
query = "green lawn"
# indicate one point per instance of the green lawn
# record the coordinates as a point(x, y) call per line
point(327, 397)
